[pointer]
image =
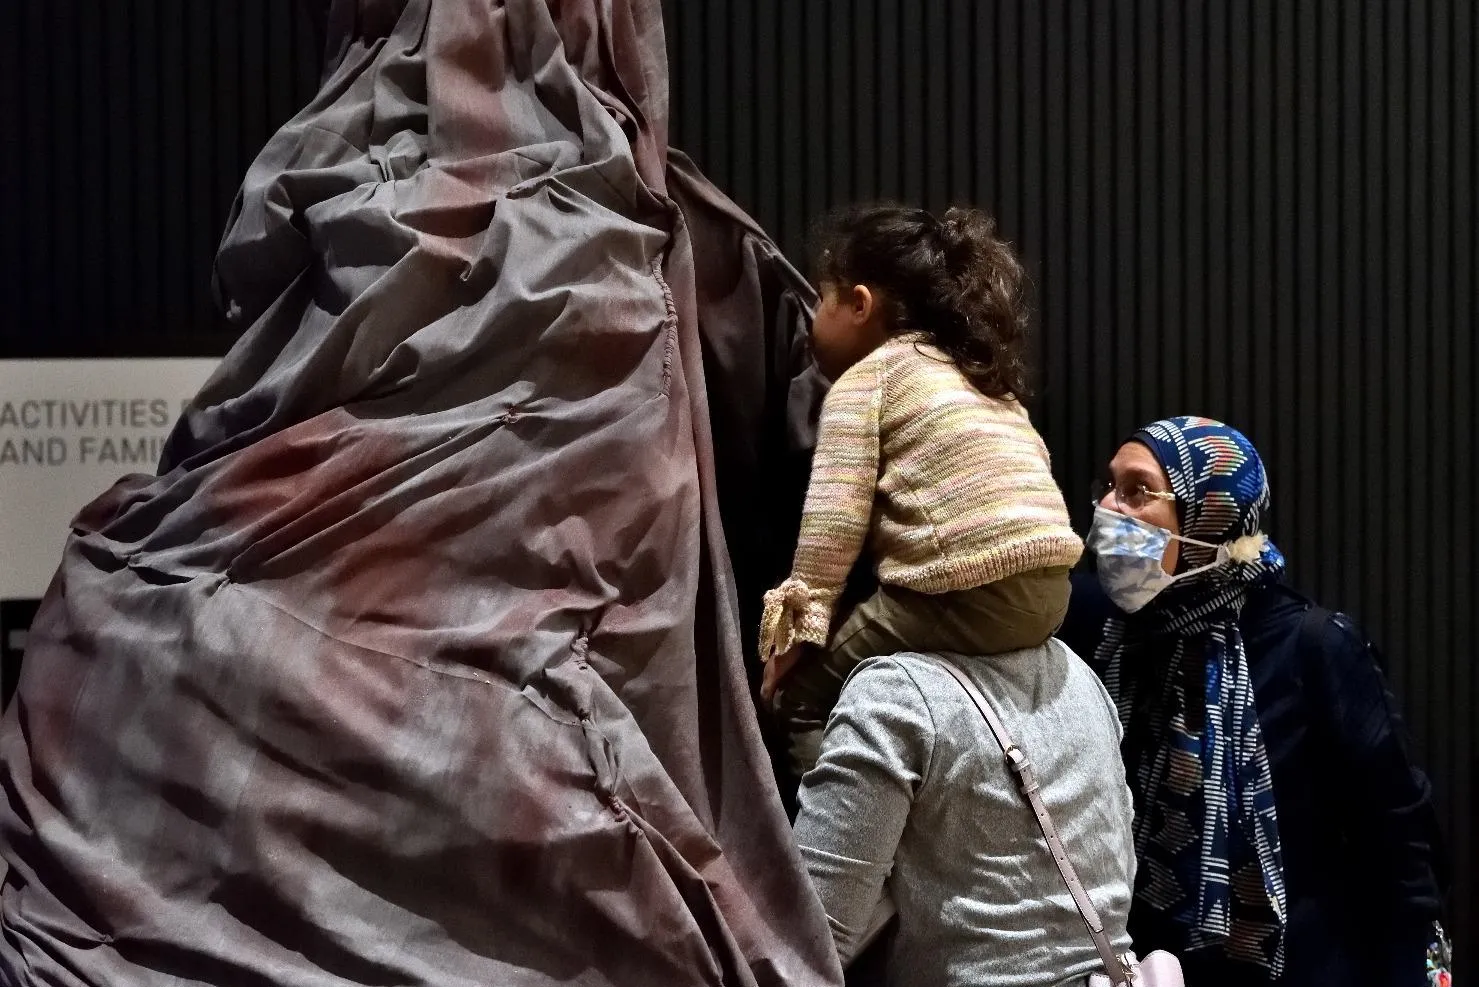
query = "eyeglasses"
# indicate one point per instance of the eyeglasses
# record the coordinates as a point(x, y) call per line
point(1129, 495)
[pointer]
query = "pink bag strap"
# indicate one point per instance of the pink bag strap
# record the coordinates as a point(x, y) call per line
point(1021, 767)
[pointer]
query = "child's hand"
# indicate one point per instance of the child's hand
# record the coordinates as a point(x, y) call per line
point(778, 668)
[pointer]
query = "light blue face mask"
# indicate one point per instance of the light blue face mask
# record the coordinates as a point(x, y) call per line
point(1130, 551)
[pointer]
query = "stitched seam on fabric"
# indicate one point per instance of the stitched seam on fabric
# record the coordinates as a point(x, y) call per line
point(669, 325)
point(600, 748)
point(438, 668)
point(337, 136)
point(271, 545)
point(934, 727)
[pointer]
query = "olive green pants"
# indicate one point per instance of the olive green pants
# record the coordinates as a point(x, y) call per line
point(1011, 614)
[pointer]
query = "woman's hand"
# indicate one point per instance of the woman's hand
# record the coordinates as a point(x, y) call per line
point(778, 668)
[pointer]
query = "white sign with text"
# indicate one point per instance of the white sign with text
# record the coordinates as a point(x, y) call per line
point(68, 430)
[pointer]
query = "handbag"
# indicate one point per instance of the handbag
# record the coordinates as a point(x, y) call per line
point(1160, 968)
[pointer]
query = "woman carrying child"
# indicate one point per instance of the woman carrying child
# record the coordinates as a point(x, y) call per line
point(927, 459)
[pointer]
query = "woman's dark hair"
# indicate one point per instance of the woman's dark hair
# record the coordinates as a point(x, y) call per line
point(951, 278)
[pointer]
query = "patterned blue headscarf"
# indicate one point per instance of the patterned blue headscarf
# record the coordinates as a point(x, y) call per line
point(1206, 831)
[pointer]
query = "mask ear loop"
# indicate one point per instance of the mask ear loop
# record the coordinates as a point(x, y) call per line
point(1248, 548)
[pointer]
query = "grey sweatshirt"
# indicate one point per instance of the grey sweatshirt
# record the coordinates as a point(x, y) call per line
point(911, 787)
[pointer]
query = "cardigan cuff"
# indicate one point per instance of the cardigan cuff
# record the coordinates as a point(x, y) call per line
point(794, 613)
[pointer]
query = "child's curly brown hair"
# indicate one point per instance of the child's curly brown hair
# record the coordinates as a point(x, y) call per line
point(951, 278)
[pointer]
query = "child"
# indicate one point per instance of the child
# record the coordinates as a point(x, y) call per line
point(925, 453)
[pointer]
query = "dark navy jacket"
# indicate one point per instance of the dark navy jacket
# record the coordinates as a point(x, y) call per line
point(1356, 818)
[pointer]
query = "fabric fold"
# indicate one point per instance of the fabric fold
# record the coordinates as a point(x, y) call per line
point(421, 658)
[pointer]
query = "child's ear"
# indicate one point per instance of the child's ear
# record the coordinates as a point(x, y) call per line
point(863, 304)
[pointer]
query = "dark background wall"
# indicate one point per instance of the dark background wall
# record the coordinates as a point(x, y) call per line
point(1260, 210)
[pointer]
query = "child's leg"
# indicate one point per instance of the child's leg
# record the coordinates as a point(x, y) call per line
point(880, 625)
point(1013, 614)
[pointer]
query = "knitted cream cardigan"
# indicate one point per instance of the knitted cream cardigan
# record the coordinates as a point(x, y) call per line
point(949, 489)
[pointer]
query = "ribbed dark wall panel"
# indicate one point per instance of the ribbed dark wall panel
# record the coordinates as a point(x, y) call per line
point(1261, 210)
point(131, 123)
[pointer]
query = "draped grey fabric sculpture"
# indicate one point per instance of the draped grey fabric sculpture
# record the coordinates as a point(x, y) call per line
point(420, 661)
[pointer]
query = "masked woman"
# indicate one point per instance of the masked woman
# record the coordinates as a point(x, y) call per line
point(1284, 835)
